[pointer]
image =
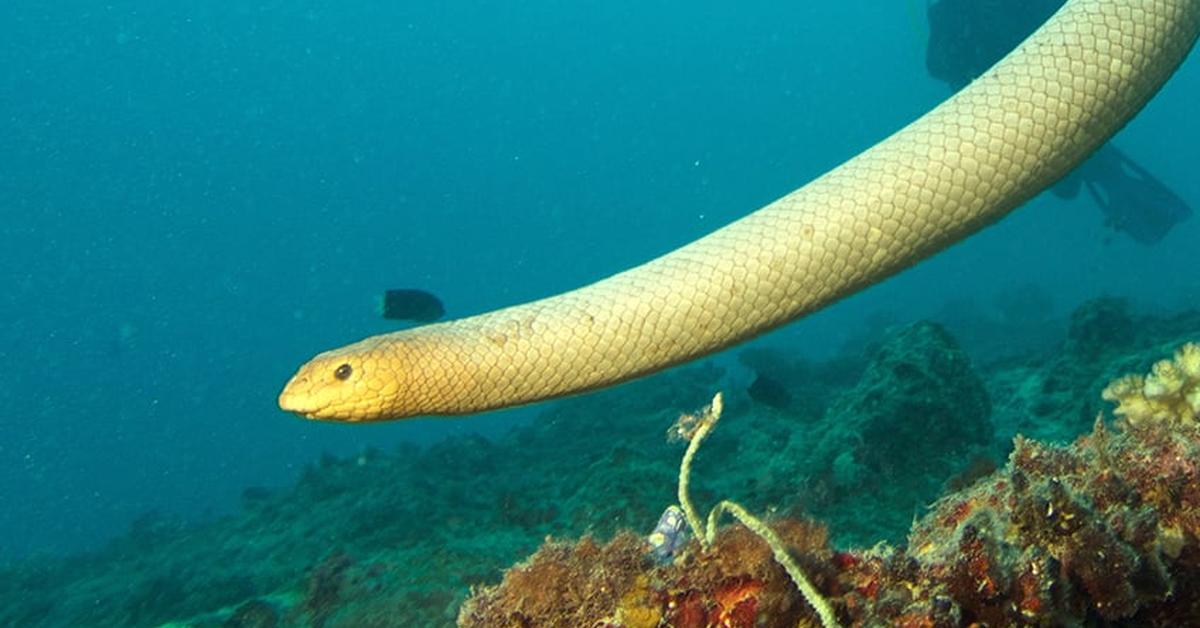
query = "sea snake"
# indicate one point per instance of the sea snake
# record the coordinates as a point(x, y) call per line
point(1016, 129)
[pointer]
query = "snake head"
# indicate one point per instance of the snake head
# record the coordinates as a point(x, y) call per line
point(349, 384)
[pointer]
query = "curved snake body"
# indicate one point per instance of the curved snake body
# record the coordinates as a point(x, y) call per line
point(965, 164)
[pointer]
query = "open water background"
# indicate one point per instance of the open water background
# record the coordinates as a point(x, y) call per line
point(195, 197)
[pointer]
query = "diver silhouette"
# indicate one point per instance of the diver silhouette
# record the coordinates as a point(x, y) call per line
point(967, 36)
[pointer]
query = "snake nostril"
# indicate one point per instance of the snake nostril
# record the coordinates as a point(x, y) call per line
point(343, 372)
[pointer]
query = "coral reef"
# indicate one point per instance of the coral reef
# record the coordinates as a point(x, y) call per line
point(1101, 328)
point(1105, 529)
point(917, 411)
point(403, 538)
point(695, 428)
point(918, 398)
point(1171, 392)
point(1056, 395)
point(736, 583)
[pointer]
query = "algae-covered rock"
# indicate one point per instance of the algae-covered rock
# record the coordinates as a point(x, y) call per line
point(918, 415)
point(1058, 396)
point(1100, 532)
point(1100, 327)
point(918, 399)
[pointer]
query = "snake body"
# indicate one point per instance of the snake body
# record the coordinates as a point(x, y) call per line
point(965, 164)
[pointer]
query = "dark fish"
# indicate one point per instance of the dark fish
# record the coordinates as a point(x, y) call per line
point(256, 494)
point(412, 305)
point(767, 390)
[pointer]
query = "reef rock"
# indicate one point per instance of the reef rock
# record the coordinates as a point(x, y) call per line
point(917, 400)
point(1100, 532)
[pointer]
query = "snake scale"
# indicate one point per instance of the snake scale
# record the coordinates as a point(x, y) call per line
point(965, 164)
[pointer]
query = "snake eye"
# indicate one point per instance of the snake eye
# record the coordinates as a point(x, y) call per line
point(343, 372)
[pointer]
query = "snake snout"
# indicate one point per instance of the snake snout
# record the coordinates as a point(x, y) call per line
point(293, 399)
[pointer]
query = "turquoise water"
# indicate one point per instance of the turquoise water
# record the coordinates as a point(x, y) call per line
point(196, 197)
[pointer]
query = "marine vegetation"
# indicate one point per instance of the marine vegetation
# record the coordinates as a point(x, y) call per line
point(1104, 529)
point(905, 482)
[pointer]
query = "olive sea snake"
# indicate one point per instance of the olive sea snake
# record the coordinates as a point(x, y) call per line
point(965, 164)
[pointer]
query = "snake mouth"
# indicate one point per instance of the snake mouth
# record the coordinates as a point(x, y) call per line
point(308, 412)
point(289, 403)
point(292, 399)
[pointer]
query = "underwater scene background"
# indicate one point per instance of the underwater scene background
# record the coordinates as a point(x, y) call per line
point(197, 197)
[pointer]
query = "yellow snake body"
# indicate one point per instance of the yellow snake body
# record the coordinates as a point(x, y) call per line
point(965, 164)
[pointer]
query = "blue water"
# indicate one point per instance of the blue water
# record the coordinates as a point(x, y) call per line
point(197, 196)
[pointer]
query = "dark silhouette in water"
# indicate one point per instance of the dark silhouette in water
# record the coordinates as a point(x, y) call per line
point(967, 36)
point(418, 306)
point(769, 391)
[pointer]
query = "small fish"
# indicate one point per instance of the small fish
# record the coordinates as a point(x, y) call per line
point(418, 306)
point(769, 391)
point(668, 536)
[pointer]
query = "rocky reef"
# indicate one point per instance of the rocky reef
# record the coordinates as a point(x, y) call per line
point(1106, 529)
point(917, 411)
point(910, 443)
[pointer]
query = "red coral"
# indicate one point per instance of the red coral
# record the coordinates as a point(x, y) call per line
point(737, 602)
point(687, 610)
